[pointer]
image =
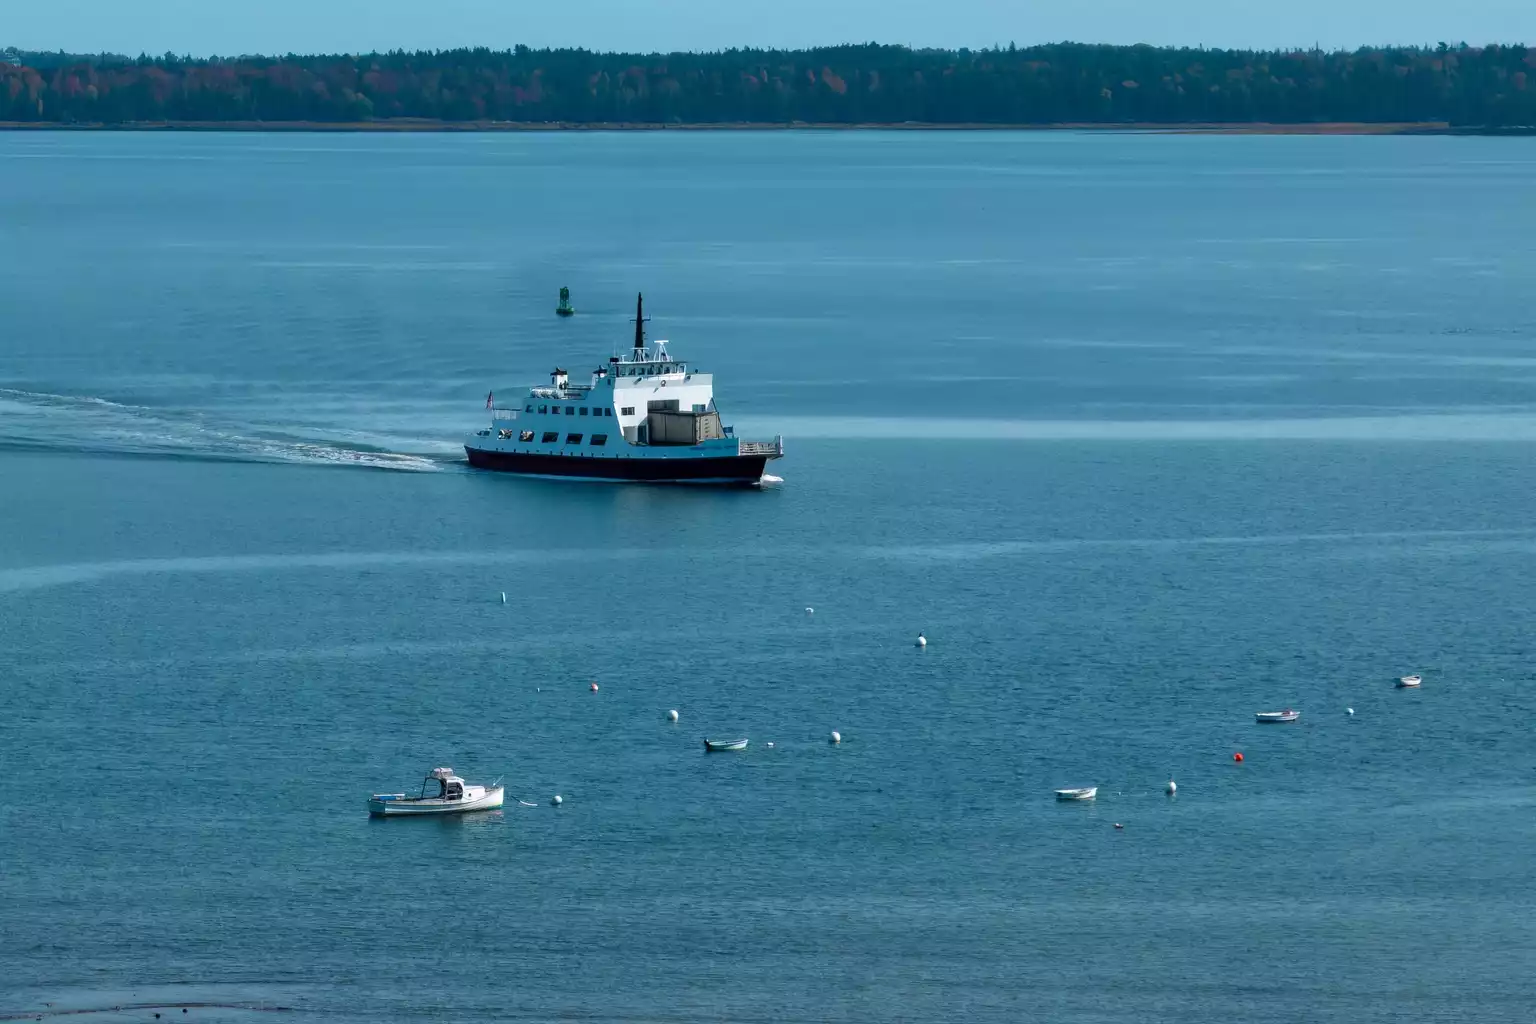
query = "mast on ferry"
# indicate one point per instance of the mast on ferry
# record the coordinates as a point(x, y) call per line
point(639, 323)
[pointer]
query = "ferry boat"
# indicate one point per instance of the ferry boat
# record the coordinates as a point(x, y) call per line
point(645, 416)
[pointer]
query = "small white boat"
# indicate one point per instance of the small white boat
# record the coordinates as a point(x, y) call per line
point(1077, 794)
point(1409, 682)
point(453, 796)
point(1271, 717)
point(716, 746)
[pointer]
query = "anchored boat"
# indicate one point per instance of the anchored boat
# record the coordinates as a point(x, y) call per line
point(452, 796)
point(1273, 717)
point(1409, 682)
point(645, 416)
point(718, 746)
point(1077, 794)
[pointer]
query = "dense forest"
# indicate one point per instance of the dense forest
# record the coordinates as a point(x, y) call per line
point(1486, 86)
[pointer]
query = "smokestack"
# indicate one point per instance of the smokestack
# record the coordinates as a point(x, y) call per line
point(639, 321)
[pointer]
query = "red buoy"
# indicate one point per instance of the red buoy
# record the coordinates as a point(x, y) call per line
point(1235, 757)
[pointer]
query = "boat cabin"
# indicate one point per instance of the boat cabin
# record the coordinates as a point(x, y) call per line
point(449, 785)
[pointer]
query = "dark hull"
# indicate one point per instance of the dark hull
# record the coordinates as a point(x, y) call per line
point(739, 470)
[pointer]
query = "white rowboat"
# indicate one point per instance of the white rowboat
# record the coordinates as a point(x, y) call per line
point(1409, 682)
point(1272, 717)
point(1077, 794)
point(716, 746)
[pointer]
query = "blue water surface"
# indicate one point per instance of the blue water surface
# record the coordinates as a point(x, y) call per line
point(1146, 433)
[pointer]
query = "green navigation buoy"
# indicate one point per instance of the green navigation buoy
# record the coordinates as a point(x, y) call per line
point(564, 309)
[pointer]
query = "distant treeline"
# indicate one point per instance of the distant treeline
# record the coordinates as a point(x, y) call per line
point(1063, 83)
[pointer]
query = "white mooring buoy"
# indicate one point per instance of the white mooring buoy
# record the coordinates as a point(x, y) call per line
point(810, 611)
point(1172, 787)
point(555, 800)
point(672, 715)
point(836, 737)
point(503, 597)
point(1349, 711)
point(922, 641)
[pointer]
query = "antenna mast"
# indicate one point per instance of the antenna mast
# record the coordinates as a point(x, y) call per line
point(639, 322)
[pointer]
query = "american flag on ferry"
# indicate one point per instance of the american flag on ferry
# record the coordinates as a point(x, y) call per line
point(490, 398)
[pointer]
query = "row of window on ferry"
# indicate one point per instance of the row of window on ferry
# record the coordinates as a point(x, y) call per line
point(553, 436)
point(651, 369)
point(571, 410)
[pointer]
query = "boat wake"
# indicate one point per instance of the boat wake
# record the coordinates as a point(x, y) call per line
point(91, 425)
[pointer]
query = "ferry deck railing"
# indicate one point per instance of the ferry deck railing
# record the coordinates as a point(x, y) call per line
point(774, 448)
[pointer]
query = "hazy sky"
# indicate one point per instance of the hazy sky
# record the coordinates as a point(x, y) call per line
point(226, 27)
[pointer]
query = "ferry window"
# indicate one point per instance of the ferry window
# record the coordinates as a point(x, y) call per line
point(570, 410)
point(543, 408)
point(583, 411)
point(599, 439)
point(551, 436)
point(529, 407)
point(526, 435)
point(628, 410)
point(697, 407)
point(573, 439)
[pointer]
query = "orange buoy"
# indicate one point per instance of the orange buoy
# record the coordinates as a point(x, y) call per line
point(1236, 757)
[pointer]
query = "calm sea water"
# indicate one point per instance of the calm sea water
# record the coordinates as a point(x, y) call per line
point(1146, 433)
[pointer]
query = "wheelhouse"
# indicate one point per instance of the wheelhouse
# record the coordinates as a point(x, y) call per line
point(448, 785)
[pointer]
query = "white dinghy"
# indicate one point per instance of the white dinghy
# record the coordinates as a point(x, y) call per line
point(452, 796)
point(1077, 794)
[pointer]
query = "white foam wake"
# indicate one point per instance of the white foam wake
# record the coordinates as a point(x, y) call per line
point(88, 424)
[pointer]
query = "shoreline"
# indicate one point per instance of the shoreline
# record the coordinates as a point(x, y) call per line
point(418, 125)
